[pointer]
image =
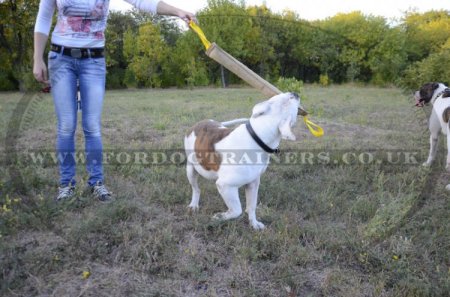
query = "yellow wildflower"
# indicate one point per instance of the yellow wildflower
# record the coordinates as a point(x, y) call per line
point(86, 274)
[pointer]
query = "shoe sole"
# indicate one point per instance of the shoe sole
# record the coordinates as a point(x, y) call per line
point(105, 201)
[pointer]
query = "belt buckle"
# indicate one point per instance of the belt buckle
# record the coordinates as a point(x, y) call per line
point(75, 52)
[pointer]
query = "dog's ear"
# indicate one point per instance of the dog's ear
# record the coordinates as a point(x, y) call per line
point(260, 109)
point(435, 85)
point(285, 129)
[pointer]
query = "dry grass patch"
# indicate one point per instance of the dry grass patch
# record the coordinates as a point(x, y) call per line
point(333, 229)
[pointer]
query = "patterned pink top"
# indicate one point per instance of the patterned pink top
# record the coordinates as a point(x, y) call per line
point(81, 23)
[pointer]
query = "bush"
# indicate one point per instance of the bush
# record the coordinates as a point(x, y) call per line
point(196, 74)
point(324, 80)
point(290, 85)
point(436, 67)
point(115, 78)
point(28, 82)
point(130, 79)
point(7, 83)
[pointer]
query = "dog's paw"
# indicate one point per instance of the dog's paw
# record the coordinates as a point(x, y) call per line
point(228, 215)
point(220, 216)
point(258, 225)
point(447, 187)
point(192, 208)
point(426, 164)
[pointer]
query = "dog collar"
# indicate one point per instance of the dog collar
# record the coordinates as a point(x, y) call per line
point(258, 140)
point(438, 95)
point(446, 90)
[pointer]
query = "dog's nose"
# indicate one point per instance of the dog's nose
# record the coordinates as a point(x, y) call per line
point(302, 112)
point(295, 95)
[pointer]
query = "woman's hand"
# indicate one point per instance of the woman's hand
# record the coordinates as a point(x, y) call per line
point(40, 71)
point(186, 16)
point(166, 9)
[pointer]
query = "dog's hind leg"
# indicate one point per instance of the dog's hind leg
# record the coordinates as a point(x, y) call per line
point(192, 176)
point(435, 127)
point(251, 195)
point(230, 195)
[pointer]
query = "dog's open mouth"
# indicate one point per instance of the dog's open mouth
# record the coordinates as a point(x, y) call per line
point(419, 101)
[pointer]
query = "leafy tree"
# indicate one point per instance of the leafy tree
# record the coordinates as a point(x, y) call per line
point(119, 74)
point(186, 64)
point(436, 67)
point(226, 23)
point(428, 48)
point(168, 26)
point(357, 43)
point(425, 33)
point(388, 59)
point(261, 42)
point(145, 50)
point(287, 35)
point(17, 19)
point(118, 24)
point(145, 54)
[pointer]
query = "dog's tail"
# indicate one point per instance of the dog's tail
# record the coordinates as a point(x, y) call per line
point(446, 115)
point(234, 122)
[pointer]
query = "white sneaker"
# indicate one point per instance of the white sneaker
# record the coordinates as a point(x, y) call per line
point(65, 193)
point(101, 193)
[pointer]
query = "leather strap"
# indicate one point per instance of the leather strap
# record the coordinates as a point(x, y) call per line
point(258, 140)
point(79, 53)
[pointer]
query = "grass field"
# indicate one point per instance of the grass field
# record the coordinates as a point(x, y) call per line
point(348, 227)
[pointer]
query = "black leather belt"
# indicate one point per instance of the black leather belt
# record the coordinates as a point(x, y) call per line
point(79, 53)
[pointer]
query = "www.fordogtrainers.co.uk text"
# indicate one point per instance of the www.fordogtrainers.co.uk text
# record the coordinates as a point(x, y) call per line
point(234, 157)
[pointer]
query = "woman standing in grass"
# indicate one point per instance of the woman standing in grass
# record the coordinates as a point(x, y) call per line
point(77, 57)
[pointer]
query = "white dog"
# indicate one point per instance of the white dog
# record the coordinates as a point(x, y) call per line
point(439, 95)
point(237, 157)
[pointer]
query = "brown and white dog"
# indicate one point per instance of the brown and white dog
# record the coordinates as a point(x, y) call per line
point(438, 95)
point(237, 157)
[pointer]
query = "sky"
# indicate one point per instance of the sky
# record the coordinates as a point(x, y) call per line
point(320, 9)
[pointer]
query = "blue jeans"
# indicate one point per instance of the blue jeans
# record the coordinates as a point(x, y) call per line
point(64, 71)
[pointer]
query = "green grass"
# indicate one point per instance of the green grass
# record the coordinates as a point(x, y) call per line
point(334, 229)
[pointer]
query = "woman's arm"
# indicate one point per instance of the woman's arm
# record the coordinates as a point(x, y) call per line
point(39, 67)
point(41, 32)
point(162, 8)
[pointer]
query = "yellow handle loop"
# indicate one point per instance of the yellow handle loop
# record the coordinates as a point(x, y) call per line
point(200, 34)
point(315, 129)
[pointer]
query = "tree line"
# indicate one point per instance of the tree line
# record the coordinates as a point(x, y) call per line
point(149, 51)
